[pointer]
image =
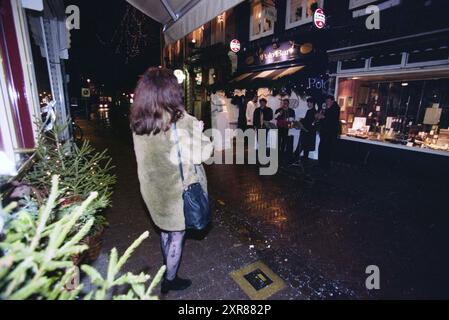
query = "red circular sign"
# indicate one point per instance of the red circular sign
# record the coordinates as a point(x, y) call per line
point(235, 45)
point(319, 18)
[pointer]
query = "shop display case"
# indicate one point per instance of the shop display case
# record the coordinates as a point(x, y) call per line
point(405, 112)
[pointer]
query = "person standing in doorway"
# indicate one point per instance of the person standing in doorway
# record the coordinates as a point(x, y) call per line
point(250, 108)
point(329, 127)
point(261, 115)
point(308, 134)
point(284, 117)
point(157, 114)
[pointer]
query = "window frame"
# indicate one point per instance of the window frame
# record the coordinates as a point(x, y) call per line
point(253, 37)
point(353, 4)
point(303, 20)
point(10, 130)
point(7, 128)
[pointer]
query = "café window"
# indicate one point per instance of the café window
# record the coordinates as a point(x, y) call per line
point(262, 20)
point(412, 113)
point(300, 12)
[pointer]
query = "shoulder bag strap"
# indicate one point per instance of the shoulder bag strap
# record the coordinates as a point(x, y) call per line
point(181, 171)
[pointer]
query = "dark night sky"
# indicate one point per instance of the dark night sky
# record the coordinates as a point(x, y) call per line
point(93, 53)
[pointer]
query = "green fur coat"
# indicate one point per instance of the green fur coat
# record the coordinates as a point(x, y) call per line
point(159, 176)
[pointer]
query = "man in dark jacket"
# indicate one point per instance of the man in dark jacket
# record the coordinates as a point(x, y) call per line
point(261, 114)
point(284, 116)
point(307, 139)
point(329, 126)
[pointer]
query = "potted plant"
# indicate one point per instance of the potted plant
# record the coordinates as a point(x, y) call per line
point(81, 169)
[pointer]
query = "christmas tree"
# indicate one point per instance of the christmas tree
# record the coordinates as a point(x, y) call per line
point(81, 169)
point(36, 256)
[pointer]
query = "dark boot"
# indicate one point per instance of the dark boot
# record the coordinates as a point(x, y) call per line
point(177, 284)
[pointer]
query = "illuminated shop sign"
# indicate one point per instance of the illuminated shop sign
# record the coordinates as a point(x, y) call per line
point(319, 18)
point(284, 52)
point(318, 83)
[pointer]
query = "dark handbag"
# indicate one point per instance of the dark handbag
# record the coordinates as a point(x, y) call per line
point(197, 211)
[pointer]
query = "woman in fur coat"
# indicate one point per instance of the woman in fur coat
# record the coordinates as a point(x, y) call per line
point(158, 106)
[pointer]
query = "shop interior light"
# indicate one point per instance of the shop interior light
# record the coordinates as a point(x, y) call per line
point(405, 84)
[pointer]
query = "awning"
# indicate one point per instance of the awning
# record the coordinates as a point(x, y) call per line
point(181, 17)
point(409, 43)
point(267, 75)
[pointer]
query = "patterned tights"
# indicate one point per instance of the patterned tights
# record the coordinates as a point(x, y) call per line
point(172, 244)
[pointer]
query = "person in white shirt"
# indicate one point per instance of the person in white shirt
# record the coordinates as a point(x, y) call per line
point(250, 108)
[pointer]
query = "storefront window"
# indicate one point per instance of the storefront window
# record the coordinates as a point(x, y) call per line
point(408, 112)
point(262, 22)
point(300, 12)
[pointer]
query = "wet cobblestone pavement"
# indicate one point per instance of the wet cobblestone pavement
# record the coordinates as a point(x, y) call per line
point(317, 232)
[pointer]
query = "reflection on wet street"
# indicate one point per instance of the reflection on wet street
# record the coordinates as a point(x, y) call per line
point(103, 117)
point(337, 226)
point(318, 233)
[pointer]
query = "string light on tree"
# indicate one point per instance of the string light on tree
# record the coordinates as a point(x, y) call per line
point(133, 34)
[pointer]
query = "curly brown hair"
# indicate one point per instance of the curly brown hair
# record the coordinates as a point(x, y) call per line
point(158, 102)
